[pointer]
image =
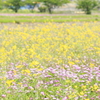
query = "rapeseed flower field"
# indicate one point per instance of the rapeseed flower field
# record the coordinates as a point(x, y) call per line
point(50, 61)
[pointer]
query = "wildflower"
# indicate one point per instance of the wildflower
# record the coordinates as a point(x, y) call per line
point(87, 99)
point(40, 69)
point(27, 71)
point(3, 95)
point(71, 63)
point(30, 98)
point(42, 93)
point(68, 81)
point(83, 87)
point(19, 66)
point(92, 65)
point(46, 98)
point(9, 82)
point(34, 63)
point(76, 86)
point(94, 87)
point(65, 98)
point(82, 93)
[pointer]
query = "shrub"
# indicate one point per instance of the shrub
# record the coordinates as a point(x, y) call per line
point(42, 9)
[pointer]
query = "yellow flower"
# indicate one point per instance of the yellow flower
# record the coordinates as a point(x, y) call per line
point(34, 63)
point(27, 71)
point(77, 61)
point(15, 72)
point(4, 78)
point(71, 63)
point(40, 69)
point(9, 82)
point(83, 87)
point(88, 82)
point(76, 86)
point(14, 47)
point(69, 57)
point(68, 81)
point(36, 74)
point(94, 87)
point(20, 83)
point(87, 99)
point(82, 93)
point(92, 65)
point(19, 66)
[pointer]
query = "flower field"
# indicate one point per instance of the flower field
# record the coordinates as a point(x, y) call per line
point(52, 61)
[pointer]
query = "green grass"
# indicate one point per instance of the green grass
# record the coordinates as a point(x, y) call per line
point(62, 16)
point(71, 18)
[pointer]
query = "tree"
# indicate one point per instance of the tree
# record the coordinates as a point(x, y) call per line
point(87, 5)
point(98, 4)
point(31, 4)
point(14, 4)
point(1, 4)
point(50, 4)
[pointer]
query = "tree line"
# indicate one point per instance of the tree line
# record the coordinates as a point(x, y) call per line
point(86, 5)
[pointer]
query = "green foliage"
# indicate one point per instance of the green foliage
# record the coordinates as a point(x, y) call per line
point(98, 4)
point(1, 4)
point(50, 4)
point(30, 2)
point(42, 9)
point(14, 4)
point(87, 5)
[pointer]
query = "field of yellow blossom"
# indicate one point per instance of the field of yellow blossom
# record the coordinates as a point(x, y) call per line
point(50, 61)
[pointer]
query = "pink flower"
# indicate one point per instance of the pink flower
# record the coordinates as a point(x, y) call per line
point(31, 98)
point(8, 91)
point(46, 98)
point(65, 98)
point(3, 95)
point(42, 93)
